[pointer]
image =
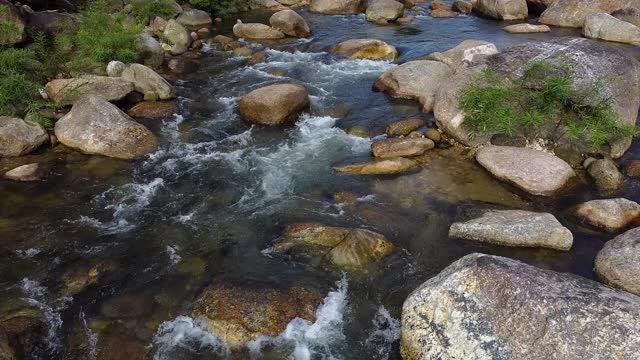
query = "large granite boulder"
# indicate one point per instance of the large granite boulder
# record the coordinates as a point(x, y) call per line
point(148, 82)
point(68, 91)
point(490, 307)
point(12, 24)
point(572, 13)
point(290, 23)
point(468, 52)
point(238, 314)
point(95, 126)
point(256, 31)
point(609, 214)
point(516, 228)
point(630, 15)
point(383, 167)
point(344, 248)
point(384, 11)
point(606, 27)
point(502, 9)
point(278, 104)
point(618, 263)
point(338, 7)
point(19, 137)
point(416, 80)
point(366, 49)
point(534, 171)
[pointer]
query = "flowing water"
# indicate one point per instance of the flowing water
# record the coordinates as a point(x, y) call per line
point(148, 236)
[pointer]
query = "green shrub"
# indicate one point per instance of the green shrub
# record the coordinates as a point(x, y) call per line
point(545, 100)
point(144, 10)
point(221, 8)
point(10, 32)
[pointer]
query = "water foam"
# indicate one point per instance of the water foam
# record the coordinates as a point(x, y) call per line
point(386, 331)
point(184, 334)
point(304, 340)
point(35, 295)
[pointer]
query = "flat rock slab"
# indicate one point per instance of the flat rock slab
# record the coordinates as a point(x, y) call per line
point(489, 307)
point(68, 91)
point(403, 147)
point(515, 228)
point(533, 171)
point(611, 215)
point(618, 263)
point(526, 28)
point(382, 167)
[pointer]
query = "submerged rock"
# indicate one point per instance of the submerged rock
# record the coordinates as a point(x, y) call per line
point(19, 137)
point(606, 27)
point(345, 248)
point(515, 228)
point(406, 147)
point(279, 104)
point(382, 167)
point(618, 263)
point(606, 175)
point(609, 214)
point(490, 307)
point(366, 49)
point(526, 28)
point(239, 314)
point(148, 82)
point(68, 91)
point(404, 127)
point(533, 171)
point(95, 126)
point(29, 172)
point(466, 53)
point(416, 80)
point(22, 327)
point(256, 31)
point(384, 11)
point(502, 9)
point(290, 23)
point(338, 7)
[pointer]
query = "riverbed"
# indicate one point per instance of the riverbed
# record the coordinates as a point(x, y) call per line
point(146, 237)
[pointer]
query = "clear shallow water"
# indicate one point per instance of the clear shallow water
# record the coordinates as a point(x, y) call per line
point(210, 201)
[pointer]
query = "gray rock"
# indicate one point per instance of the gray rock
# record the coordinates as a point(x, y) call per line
point(29, 172)
point(256, 31)
point(416, 80)
point(148, 82)
point(290, 23)
point(338, 7)
point(502, 9)
point(384, 11)
point(516, 228)
point(50, 23)
point(177, 36)
point(150, 50)
point(405, 147)
point(194, 17)
point(19, 137)
point(95, 126)
point(609, 214)
point(606, 175)
point(466, 53)
point(490, 307)
point(68, 91)
point(533, 171)
point(382, 167)
point(606, 27)
point(525, 28)
point(465, 7)
point(366, 49)
point(572, 13)
point(618, 263)
point(115, 68)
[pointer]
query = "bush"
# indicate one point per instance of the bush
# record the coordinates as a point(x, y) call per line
point(144, 10)
point(221, 8)
point(545, 100)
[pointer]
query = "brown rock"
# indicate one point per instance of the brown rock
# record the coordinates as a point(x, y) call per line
point(19, 137)
point(338, 7)
point(278, 104)
point(290, 23)
point(633, 168)
point(611, 215)
point(618, 263)
point(405, 147)
point(462, 6)
point(404, 127)
point(256, 31)
point(443, 13)
point(439, 4)
point(29, 172)
point(366, 49)
point(382, 167)
point(154, 110)
point(257, 58)
point(526, 28)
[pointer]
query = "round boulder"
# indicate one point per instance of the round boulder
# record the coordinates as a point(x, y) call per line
point(278, 104)
point(19, 137)
point(148, 82)
point(366, 49)
point(606, 175)
point(290, 23)
point(618, 263)
point(95, 126)
point(384, 11)
point(611, 215)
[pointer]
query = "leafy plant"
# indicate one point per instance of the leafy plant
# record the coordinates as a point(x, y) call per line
point(221, 8)
point(144, 10)
point(544, 100)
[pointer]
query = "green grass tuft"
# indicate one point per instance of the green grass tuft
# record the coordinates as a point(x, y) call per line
point(144, 10)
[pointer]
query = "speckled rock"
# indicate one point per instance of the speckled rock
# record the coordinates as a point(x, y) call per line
point(405, 147)
point(345, 248)
point(489, 307)
point(618, 263)
point(19, 137)
point(533, 171)
point(95, 126)
point(68, 91)
point(467, 52)
point(608, 214)
point(366, 49)
point(382, 167)
point(416, 80)
point(606, 175)
point(516, 228)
